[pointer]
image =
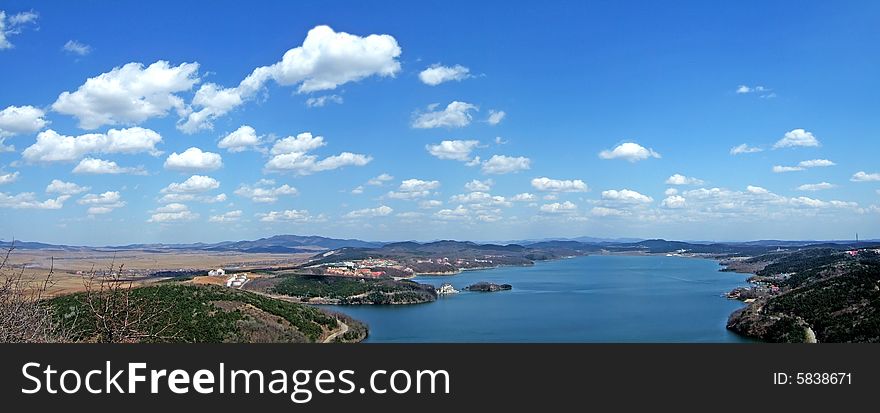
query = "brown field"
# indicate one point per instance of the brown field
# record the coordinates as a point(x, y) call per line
point(70, 267)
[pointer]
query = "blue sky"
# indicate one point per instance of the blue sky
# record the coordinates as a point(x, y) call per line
point(182, 122)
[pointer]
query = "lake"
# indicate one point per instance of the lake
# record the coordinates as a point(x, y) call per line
point(584, 299)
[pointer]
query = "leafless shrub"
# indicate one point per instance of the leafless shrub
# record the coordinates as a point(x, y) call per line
point(25, 317)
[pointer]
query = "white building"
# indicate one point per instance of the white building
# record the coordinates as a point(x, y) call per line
point(217, 273)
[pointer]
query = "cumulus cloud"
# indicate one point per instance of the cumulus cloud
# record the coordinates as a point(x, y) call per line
point(14, 24)
point(380, 211)
point(502, 164)
point(380, 180)
point(626, 196)
point(862, 176)
point(459, 213)
point(816, 163)
point(230, 216)
point(816, 187)
point(674, 202)
point(129, 94)
point(193, 159)
point(95, 166)
point(28, 200)
point(523, 197)
point(761, 91)
point(477, 185)
point(629, 151)
point(8, 178)
point(15, 120)
point(242, 139)
point(455, 115)
point(291, 154)
point(102, 203)
point(783, 169)
point(265, 191)
point(77, 48)
point(757, 190)
point(174, 212)
point(458, 150)
point(53, 147)
point(495, 117)
point(481, 200)
point(414, 188)
point(289, 215)
point(743, 149)
point(193, 184)
point(325, 60)
point(437, 74)
point(321, 101)
point(557, 208)
point(559, 185)
point(797, 138)
point(679, 179)
point(58, 186)
point(430, 203)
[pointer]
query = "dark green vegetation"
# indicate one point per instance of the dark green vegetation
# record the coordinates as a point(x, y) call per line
point(826, 290)
point(487, 287)
point(212, 314)
point(345, 290)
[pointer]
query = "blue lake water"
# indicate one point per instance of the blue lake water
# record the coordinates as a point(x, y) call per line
point(585, 299)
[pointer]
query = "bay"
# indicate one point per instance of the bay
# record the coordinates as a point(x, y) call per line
point(611, 299)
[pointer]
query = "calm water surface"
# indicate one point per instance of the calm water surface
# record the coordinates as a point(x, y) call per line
point(584, 299)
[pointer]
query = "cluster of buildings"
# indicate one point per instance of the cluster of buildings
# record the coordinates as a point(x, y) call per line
point(237, 280)
point(367, 268)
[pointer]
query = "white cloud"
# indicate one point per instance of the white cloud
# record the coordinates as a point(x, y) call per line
point(193, 159)
point(15, 120)
point(321, 101)
point(289, 215)
point(380, 211)
point(607, 212)
point(174, 212)
point(28, 200)
point(757, 190)
point(629, 151)
point(102, 203)
point(816, 163)
point(477, 185)
point(744, 148)
point(481, 200)
point(557, 208)
point(358, 190)
point(455, 115)
point(291, 154)
point(671, 191)
point(77, 48)
point(523, 197)
point(264, 191)
point(626, 196)
point(414, 188)
point(130, 94)
point(862, 176)
point(53, 147)
point(58, 186)
point(242, 139)
point(674, 202)
point(782, 169)
point(193, 184)
point(380, 180)
point(559, 185)
point(457, 150)
point(94, 166)
point(430, 203)
point(763, 92)
point(816, 187)
point(679, 179)
point(230, 216)
point(496, 116)
point(8, 178)
point(797, 138)
point(460, 212)
point(12, 25)
point(325, 60)
point(502, 164)
point(437, 74)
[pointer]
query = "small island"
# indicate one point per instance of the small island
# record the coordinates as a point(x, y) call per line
point(487, 287)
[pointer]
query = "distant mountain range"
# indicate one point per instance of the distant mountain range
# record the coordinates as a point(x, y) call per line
point(311, 244)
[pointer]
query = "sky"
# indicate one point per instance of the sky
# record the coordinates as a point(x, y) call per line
point(127, 122)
